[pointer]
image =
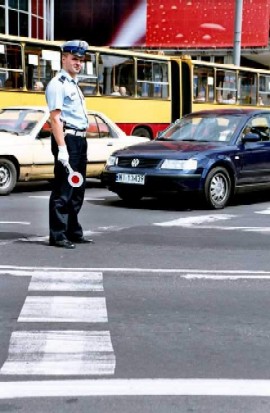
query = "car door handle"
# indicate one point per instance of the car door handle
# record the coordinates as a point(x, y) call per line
point(110, 144)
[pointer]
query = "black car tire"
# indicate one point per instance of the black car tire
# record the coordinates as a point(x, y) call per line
point(8, 176)
point(130, 196)
point(218, 187)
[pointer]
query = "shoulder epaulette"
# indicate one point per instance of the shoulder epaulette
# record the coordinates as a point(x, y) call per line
point(62, 79)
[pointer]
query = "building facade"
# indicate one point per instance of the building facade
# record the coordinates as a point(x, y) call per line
point(202, 28)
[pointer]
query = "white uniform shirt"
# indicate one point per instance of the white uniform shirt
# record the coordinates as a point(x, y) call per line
point(64, 94)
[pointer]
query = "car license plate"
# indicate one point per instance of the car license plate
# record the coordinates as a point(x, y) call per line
point(130, 179)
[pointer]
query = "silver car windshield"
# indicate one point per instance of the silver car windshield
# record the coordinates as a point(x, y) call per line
point(202, 129)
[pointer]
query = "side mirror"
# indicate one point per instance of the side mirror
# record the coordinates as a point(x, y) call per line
point(251, 137)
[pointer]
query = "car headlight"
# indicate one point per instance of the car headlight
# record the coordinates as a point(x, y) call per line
point(185, 165)
point(112, 160)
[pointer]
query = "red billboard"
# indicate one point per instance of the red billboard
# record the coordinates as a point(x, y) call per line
point(205, 23)
point(162, 23)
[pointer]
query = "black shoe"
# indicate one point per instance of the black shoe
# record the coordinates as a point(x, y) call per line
point(65, 243)
point(82, 240)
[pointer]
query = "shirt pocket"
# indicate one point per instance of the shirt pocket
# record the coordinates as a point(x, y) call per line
point(73, 101)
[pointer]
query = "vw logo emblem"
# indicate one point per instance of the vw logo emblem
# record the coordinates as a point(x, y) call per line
point(135, 163)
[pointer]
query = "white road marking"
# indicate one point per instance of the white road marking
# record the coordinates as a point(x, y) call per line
point(198, 221)
point(244, 229)
point(64, 309)
point(92, 198)
point(60, 353)
point(15, 222)
point(35, 238)
point(135, 387)
point(39, 196)
point(66, 281)
point(87, 233)
point(263, 211)
point(194, 220)
point(6, 242)
point(225, 277)
point(28, 271)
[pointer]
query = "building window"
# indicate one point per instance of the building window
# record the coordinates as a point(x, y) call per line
point(2, 19)
point(13, 22)
point(26, 18)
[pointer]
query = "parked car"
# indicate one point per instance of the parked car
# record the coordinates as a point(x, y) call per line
point(214, 153)
point(25, 145)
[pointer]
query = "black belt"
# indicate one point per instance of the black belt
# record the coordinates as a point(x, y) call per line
point(76, 132)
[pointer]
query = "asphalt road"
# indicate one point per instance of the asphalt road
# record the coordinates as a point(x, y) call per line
point(167, 312)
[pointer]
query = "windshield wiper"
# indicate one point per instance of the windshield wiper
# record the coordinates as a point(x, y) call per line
point(188, 140)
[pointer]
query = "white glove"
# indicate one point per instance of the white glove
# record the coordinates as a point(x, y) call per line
point(63, 155)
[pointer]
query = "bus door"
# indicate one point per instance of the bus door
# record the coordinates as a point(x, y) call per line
point(180, 89)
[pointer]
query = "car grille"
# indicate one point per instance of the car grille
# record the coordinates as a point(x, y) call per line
point(143, 163)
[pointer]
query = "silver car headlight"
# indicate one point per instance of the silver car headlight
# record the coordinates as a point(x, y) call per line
point(112, 160)
point(184, 165)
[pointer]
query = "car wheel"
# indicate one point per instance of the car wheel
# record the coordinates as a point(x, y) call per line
point(130, 196)
point(142, 132)
point(217, 189)
point(8, 176)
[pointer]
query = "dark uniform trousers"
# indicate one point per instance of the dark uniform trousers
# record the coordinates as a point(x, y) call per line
point(66, 201)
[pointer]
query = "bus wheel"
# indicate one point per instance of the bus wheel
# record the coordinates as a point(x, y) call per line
point(8, 176)
point(218, 187)
point(142, 132)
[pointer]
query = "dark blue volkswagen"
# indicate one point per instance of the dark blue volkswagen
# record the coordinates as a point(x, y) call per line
point(214, 153)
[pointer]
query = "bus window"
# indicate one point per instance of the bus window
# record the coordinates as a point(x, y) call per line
point(247, 88)
point(116, 70)
point(203, 84)
point(226, 86)
point(152, 79)
point(264, 90)
point(11, 74)
point(88, 76)
point(41, 65)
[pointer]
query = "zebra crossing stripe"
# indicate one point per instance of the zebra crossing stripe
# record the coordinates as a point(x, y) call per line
point(64, 309)
point(66, 281)
point(60, 353)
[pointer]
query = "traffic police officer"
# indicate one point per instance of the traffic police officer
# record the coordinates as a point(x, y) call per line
point(69, 146)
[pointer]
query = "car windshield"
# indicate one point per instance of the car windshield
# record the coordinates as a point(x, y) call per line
point(19, 121)
point(204, 128)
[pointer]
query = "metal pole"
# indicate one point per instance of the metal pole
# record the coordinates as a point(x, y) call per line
point(237, 31)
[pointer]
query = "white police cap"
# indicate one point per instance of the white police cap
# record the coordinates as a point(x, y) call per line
point(75, 47)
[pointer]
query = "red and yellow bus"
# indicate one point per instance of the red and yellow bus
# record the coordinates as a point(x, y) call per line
point(158, 88)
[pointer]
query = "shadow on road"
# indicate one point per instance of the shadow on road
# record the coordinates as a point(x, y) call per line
point(186, 202)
